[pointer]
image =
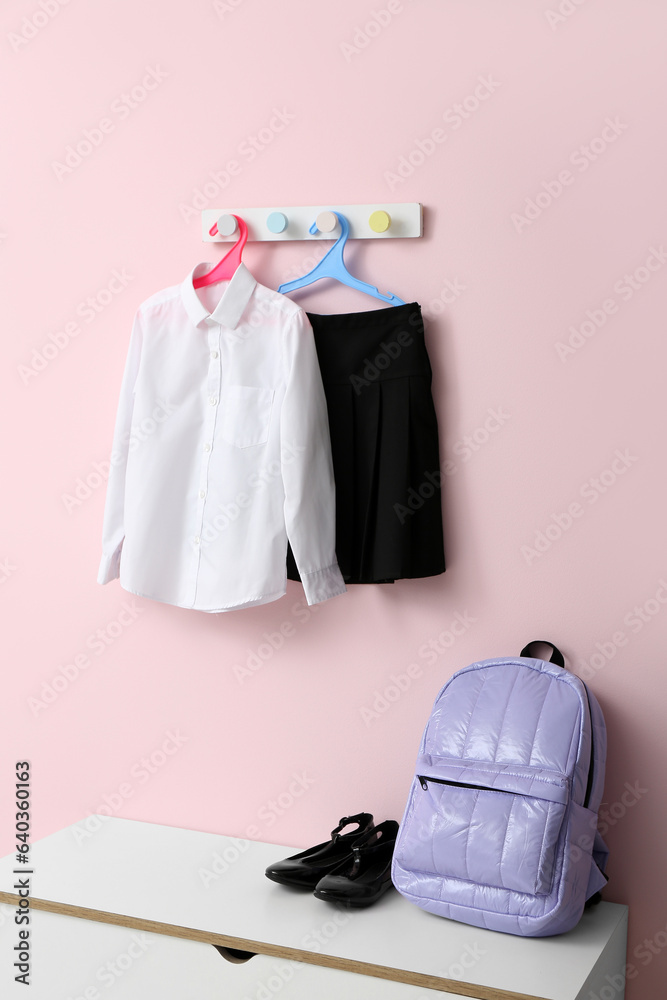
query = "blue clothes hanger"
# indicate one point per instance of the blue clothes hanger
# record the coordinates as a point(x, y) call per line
point(332, 265)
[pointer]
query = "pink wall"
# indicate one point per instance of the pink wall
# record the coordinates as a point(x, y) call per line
point(356, 105)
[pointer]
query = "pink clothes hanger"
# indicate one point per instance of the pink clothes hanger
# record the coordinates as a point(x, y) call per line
point(225, 268)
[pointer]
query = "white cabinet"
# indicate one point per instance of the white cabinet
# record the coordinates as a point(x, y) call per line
point(160, 897)
point(77, 959)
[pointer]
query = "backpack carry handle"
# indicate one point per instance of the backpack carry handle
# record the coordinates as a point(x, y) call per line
point(556, 655)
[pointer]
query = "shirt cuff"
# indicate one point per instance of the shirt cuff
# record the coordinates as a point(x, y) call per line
point(323, 584)
point(109, 567)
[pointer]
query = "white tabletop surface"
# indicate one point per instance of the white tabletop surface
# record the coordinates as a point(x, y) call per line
point(216, 884)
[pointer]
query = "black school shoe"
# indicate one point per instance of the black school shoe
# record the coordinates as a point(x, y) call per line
point(307, 868)
point(361, 880)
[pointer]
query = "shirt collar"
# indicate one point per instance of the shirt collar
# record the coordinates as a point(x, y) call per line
point(234, 299)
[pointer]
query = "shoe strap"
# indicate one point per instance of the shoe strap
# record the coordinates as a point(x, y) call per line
point(365, 845)
point(367, 841)
point(363, 819)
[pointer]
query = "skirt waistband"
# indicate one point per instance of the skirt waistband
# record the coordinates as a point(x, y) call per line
point(380, 343)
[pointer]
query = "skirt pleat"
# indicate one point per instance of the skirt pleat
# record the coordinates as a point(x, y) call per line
point(367, 447)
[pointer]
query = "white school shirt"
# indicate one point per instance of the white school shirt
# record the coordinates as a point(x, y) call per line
point(221, 452)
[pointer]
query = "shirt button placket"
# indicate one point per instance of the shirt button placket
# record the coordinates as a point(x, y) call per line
point(212, 402)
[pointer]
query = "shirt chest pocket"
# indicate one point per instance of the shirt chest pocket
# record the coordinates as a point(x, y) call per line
point(246, 415)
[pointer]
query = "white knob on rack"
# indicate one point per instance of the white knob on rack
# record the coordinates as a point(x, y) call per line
point(226, 225)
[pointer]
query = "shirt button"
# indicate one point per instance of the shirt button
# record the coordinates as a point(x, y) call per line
point(202, 494)
point(207, 447)
point(213, 400)
point(214, 354)
point(196, 539)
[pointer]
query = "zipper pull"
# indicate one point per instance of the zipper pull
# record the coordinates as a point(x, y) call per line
point(423, 782)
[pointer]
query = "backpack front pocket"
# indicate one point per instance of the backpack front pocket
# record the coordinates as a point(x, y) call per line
point(485, 825)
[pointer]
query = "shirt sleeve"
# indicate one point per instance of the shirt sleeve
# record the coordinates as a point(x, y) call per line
point(113, 528)
point(307, 470)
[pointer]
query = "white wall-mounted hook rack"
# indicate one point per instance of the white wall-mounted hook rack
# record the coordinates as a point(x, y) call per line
point(292, 222)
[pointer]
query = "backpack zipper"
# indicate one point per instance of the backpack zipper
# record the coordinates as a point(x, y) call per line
point(424, 780)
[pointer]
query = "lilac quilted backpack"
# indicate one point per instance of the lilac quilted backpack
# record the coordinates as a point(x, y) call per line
point(500, 827)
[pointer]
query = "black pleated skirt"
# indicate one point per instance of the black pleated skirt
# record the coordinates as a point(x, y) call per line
point(384, 444)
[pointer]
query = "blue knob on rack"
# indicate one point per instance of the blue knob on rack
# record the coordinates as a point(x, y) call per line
point(276, 222)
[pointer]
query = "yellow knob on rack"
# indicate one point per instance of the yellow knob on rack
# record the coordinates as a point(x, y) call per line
point(379, 221)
